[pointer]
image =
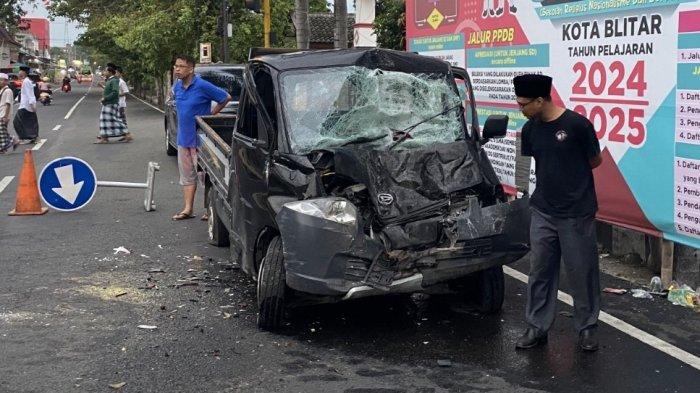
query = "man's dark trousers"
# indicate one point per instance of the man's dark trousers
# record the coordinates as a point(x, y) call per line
point(572, 240)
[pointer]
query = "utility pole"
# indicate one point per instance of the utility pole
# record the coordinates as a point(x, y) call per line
point(224, 35)
point(266, 22)
point(301, 22)
point(340, 8)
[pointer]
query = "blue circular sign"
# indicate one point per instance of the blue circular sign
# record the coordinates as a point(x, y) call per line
point(67, 183)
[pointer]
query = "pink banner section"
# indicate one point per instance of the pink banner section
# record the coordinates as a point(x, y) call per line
point(689, 21)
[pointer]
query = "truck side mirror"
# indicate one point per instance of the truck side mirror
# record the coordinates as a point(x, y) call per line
point(496, 127)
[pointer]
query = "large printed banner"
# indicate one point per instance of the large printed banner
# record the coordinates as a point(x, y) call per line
point(631, 66)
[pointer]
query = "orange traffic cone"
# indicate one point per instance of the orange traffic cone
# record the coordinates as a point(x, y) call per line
point(28, 202)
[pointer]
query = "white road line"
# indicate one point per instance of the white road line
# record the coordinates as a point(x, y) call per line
point(70, 112)
point(39, 144)
point(5, 182)
point(646, 338)
point(147, 103)
point(58, 127)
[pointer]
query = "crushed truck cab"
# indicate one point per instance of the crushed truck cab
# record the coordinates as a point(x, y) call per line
point(359, 172)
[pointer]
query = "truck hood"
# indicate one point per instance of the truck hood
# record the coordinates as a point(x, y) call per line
point(401, 183)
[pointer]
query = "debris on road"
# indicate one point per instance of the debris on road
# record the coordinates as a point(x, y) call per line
point(682, 295)
point(156, 270)
point(147, 327)
point(120, 294)
point(616, 291)
point(116, 386)
point(655, 285)
point(121, 249)
point(641, 294)
point(227, 315)
point(444, 363)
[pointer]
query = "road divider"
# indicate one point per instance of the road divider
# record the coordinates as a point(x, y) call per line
point(5, 182)
point(70, 112)
point(646, 338)
point(148, 104)
point(39, 144)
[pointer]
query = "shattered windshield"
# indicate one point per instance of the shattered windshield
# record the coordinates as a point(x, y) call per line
point(327, 108)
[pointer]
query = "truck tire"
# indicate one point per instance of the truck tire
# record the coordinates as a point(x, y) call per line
point(169, 149)
point(218, 234)
point(271, 288)
point(490, 290)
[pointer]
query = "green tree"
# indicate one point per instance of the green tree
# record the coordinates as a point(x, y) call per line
point(390, 24)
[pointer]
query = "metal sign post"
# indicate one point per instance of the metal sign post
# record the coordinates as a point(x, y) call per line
point(148, 202)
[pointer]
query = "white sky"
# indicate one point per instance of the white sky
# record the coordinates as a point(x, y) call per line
point(62, 31)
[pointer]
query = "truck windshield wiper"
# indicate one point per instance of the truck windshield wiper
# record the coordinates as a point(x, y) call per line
point(406, 132)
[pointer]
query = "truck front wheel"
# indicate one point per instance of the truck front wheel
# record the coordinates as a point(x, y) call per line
point(271, 287)
point(490, 290)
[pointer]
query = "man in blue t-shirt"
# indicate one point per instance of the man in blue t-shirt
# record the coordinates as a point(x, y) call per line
point(193, 96)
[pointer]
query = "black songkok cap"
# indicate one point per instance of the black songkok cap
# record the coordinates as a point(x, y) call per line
point(532, 85)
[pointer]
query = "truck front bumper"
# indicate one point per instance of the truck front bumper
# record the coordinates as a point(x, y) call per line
point(326, 258)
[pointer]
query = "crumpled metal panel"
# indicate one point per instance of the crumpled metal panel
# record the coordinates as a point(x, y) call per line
point(317, 250)
point(415, 179)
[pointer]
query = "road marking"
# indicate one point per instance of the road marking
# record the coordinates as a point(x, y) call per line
point(70, 112)
point(5, 182)
point(39, 144)
point(147, 103)
point(58, 127)
point(646, 338)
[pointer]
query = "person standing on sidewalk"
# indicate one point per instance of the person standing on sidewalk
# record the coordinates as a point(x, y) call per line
point(566, 150)
point(6, 99)
point(111, 124)
point(26, 122)
point(123, 91)
point(193, 97)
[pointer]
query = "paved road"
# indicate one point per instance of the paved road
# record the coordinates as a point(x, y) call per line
point(64, 329)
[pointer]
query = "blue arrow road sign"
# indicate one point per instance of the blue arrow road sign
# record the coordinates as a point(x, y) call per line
point(67, 183)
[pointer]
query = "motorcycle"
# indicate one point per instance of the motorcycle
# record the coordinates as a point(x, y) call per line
point(66, 87)
point(45, 97)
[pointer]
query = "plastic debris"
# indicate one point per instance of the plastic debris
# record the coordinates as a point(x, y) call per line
point(147, 327)
point(116, 386)
point(641, 294)
point(682, 295)
point(616, 291)
point(121, 249)
point(655, 285)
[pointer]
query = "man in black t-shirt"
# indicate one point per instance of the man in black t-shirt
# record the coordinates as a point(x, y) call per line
point(566, 149)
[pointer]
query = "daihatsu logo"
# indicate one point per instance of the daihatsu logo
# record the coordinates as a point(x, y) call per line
point(385, 199)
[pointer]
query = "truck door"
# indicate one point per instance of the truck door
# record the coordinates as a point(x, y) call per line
point(250, 165)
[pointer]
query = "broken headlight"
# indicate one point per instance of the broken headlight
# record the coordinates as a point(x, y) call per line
point(334, 209)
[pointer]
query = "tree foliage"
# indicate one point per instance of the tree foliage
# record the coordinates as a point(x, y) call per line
point(11, 11)
point(390, 24)
point(144, 35)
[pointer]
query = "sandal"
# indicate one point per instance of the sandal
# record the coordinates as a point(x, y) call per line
point(205, 217)
point(125, 139)
point(182, 216)
point(101, 141)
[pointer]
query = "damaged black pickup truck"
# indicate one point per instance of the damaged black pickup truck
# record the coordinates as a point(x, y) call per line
point(360, 172)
